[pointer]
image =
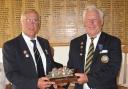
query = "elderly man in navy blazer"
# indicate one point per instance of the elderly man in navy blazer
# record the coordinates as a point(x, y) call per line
point(97, 66)
point(20, 62)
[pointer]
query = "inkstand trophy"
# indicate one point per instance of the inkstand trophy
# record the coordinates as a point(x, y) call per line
point(62, 76)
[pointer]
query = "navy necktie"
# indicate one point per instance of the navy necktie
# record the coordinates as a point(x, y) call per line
point(38, 59)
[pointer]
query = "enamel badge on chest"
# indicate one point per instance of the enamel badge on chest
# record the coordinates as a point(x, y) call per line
point(104, 59)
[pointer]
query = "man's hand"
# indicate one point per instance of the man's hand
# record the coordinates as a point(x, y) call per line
point(44, 83)
point(82, 78)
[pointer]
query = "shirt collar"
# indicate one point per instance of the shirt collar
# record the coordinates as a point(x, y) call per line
point(96, 37)
point(27, 38)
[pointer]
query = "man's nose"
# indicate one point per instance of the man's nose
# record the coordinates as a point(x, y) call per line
point(91, 21)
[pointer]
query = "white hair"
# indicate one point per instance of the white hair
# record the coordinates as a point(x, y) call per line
point(29, 11)
point(93, 8)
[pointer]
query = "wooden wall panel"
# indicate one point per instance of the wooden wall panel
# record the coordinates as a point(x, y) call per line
point(62, 19)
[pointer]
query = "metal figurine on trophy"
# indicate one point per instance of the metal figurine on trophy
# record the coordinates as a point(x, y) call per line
point(62, 76)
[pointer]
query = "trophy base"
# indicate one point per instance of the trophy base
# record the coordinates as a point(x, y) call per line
point(68, 79)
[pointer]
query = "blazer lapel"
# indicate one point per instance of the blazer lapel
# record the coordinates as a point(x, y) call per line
point(99, 47)
point(44, 47)
point(26, 53)
point(82, 46)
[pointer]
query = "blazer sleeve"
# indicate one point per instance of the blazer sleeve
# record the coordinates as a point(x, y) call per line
point(12, 70)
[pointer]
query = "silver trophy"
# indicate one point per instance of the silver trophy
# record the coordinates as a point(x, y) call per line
point(62, 75)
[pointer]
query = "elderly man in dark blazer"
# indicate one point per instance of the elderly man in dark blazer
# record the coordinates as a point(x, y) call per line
point(19, 56)
point(96, 61)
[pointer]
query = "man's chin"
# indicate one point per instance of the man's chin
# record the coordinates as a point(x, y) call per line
point(92, 34)
point(31, 34)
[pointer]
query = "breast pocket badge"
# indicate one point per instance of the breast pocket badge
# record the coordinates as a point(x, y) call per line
point(104, 59)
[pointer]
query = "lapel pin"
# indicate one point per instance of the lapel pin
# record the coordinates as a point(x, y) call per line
point(46, 51)
point(81, 46)
point(25, 53)
point(100, 47)
point(81, 43)
point(81, 54)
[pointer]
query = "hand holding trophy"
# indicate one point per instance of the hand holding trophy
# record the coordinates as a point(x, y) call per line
point(62, 76)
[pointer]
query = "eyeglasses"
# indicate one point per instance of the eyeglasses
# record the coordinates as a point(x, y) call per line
point(32, 20)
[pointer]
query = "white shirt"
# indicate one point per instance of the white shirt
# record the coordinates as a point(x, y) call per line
point(30, 46)
point(88, 42)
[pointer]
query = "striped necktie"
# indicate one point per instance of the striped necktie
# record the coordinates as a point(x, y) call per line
point(89, 56)
point(38, 59)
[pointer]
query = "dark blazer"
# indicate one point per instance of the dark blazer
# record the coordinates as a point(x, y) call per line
point(102, 74)
point(19, 65)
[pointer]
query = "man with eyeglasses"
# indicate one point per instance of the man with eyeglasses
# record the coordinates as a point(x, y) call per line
point(27, 58)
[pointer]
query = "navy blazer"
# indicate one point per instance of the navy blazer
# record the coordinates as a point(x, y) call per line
point(102, 74)
point(19, 65)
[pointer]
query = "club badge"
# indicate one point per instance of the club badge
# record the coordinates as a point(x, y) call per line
point(25, 53)
point(100, 47)
point(82, 43)
point(104, 59)
point(81, 48)
point(81, 54)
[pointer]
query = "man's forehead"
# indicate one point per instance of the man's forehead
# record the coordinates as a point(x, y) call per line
point(93, 13)
point(30, 15)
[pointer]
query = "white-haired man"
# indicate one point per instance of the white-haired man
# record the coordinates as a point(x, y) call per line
point(96, 56)
point(27, 58)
